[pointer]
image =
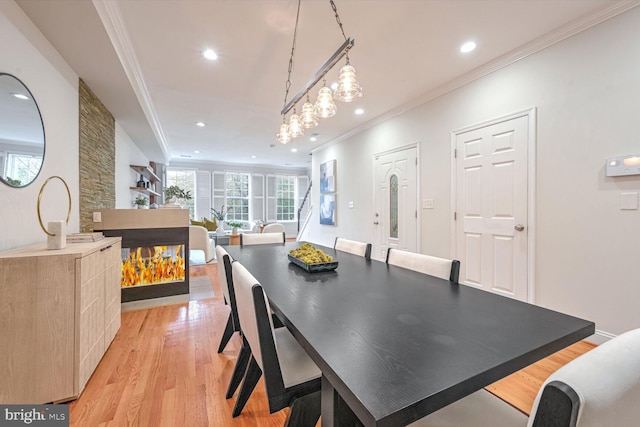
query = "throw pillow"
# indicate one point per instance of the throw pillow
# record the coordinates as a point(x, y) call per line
point(194, 222)
point(210, 225)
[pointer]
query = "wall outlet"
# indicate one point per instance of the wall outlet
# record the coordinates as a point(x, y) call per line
point(427, 204)
point(97, 217)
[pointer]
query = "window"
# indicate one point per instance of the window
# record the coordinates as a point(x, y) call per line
point(285, 198)
point(185, 179)
point(22, 167)
point(393, 206)
point(237, 196)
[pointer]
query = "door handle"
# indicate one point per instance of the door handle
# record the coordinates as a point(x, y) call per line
point(519, 227)
point(376, 222)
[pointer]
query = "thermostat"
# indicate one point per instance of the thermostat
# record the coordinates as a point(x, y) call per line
point(623, 165)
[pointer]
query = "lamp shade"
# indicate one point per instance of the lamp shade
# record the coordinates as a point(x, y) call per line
point(308, 117)
point(325, 106)
point(348, 86)
point(295, 126)
point(283, 136)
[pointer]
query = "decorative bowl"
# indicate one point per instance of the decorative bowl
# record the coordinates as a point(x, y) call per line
point(313, 268)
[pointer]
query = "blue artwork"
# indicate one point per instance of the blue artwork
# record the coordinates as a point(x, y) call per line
point(328, 209)
point(327, 177)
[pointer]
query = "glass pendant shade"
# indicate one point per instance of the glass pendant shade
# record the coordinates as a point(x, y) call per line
point(295, 126)
point(283, 136)
point(348, 86)
point(325, 107)
point(307, 116)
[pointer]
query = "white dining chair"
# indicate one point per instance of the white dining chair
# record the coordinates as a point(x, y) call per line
point(353, 247)
point(261, 238)
point(199, 240)
point(291, 378)
point(226, 285)
point(600, 388)
point(275, 227)
point(443, 268)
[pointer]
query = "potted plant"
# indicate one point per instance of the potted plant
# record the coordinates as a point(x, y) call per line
point(220, 215)
point(141, 202)
point(234, 227)
point(173, 193)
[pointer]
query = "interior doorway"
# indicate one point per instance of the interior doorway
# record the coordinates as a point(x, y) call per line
point(493, 193)
point(395, 216)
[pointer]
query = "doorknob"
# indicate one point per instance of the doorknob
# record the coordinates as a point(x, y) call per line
point(519, 227)
point(376, 222)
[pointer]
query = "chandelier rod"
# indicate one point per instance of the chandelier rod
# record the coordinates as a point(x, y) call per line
point(339, 54)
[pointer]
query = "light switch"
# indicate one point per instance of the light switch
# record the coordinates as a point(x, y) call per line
point(350, 205)
point(427, 204)
point(629, 201)
point(97, 217)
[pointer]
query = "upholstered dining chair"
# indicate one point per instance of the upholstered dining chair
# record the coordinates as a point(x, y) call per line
point(275, 227)
point(233, 322)
point(291, 378)
point(199, 240)
point(433, 266)
point(600, 388)
point(247, 239)
point(226, 284)
point(353, 247)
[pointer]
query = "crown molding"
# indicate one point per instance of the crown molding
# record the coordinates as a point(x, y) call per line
point(111, 18)
point(549, 39)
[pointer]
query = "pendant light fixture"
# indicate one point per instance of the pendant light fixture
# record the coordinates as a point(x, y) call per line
point(308, 115)
point(348, 88)
point(325, 106)
point(295, 126)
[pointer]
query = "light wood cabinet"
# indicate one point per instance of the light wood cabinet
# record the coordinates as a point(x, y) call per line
point(59, 312)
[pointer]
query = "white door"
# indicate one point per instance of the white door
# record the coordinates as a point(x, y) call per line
point(492, 206)
point(395, 201)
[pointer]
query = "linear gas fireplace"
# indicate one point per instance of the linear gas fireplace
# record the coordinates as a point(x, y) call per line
point(152, 265)
point(154, 251)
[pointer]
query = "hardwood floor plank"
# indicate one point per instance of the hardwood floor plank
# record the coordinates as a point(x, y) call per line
point(163, 369)
point(520, 389)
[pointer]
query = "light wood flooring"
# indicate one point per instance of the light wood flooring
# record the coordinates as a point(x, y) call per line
point(162, 369)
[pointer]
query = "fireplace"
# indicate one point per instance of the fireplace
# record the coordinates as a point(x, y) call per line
point(154, 262)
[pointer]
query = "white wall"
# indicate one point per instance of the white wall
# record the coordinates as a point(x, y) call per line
point(127, 153)
point(26, 54)
point(587, 93)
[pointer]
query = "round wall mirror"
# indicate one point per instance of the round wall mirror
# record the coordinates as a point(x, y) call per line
point(21, 133)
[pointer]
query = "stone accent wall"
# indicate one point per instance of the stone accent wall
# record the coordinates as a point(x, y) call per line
point(97, 157)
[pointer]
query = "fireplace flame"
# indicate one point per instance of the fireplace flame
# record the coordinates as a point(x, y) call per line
point(138, 270)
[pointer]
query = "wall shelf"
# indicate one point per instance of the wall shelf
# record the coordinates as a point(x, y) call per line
point(149, 174)
point(147, 191)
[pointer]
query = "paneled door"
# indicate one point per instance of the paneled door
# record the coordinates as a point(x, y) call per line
point(395, 201)
point(492, 202)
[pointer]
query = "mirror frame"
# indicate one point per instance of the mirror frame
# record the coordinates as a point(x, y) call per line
point(44, 137)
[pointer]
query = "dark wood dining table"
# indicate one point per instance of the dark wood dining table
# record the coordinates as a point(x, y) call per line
point(395, 345)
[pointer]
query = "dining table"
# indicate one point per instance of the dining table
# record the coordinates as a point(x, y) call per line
point(395, 345)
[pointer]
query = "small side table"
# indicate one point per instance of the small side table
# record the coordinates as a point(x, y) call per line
point(219, 240)
point(234, 239)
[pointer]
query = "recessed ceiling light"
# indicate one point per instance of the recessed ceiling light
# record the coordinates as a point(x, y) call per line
point(201, 124)
point(467, 47)
point(253, 157)
point(210, 54)
point(334, 86)
point(359, 111)
point(294, 150)
point(314, 137)
point(20, 96)
point(197, 151)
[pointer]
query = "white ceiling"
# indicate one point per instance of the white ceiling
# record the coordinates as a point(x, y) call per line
point(142, 59)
